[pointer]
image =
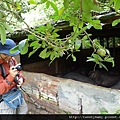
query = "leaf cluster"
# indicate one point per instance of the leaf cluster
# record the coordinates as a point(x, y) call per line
point(80, 16)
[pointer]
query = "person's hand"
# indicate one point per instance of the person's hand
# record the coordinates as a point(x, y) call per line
point(20, 82)
point(13, 72)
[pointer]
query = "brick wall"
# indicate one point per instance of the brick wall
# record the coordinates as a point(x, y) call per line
point(44, 90)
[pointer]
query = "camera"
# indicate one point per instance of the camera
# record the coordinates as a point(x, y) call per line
point(18, 67)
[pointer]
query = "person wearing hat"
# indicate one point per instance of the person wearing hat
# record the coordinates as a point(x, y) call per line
point(8, 61)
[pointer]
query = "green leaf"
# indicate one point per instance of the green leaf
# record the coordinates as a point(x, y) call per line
point(48, 54)
point(111, 1)
point(43, 53)
point(97, 57)
point(117, 5)
point(43, 44)
point(111, 59)
point(25, 48)
point(117, 111)
point(14, 49)
point(9, 29)
point(33, 1)
point(86, 44)
point(35, 44)
point(85, 37)
point(86, 10)
point(73, 57)
point(106, 57)
point(97, 44)
point(91, 59)
point(66, 4)
point(54, 6)
point(18, 6)
point(115, 22)
point(47, 4)
point(49, 26)
point(77, 44)
point(89, 25)
point(31, 37)
point(87, 5)
point(3, 34)
point(61, 10)
point(103, 111)
point(75, 28)
point(31, 53)
point(96, 24)
point(8, 5)
point(2, 14)
point(43, 1)
point(102, 65)
point(76, 4)
point(53, 55)
point(81, 24)
point(107, 51)
point(22, 44)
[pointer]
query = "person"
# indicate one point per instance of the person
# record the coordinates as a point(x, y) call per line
point(8, 61)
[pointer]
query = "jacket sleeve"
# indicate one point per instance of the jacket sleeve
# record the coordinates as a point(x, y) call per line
point(4, 85)
point(8, 83)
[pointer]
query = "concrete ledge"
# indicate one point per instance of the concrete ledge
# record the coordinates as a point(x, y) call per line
point(72, 96)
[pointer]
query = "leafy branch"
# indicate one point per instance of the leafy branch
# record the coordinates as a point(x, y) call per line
point(78, 14)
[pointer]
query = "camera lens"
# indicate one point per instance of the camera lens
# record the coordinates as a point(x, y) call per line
point(19, 68)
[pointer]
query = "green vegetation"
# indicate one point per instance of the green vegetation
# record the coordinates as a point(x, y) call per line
point(104, 111)
point(79, 14)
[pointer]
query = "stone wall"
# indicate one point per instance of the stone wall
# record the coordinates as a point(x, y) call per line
point(57, 96)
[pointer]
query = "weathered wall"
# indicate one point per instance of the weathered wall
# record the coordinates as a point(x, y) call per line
point(57, 95)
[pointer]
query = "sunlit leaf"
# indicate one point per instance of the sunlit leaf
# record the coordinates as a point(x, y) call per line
point(97, 57)
point(66, 3)
point(111, 59)
point(102, 65)
point(76, 4)
point(96, 24)
point(22, 44)
point(2, 34)
point(42, 1)
point(24, 50)
point(9, 29)
point(73, 57)
point(18, 6)
point(47, 4)
point(107, 51)
point(35, 44)
point(81, 24)
point(48, 54)
point(43, 53)
point(115, 22)
point(117, 4)
point(103, 111)
point(61, 10)
point(54, 6)
point(91, 59)
point(77, 44)
point(33, 1)
point(31, 53)
point(14, 49)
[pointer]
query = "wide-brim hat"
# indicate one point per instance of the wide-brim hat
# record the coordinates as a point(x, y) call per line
point(5, 48)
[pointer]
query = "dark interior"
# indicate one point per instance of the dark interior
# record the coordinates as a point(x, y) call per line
point(108, 33)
